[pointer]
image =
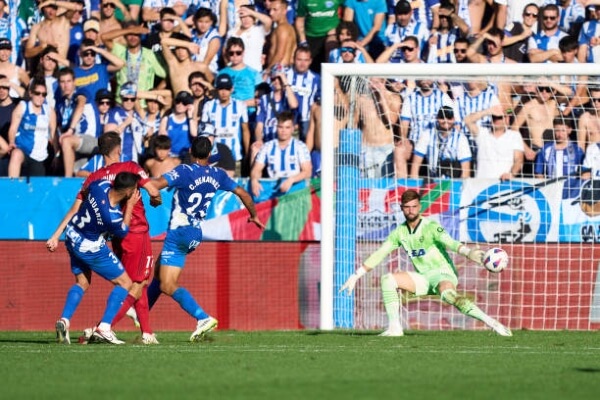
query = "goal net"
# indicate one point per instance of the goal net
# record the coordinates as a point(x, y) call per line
point(397, 126)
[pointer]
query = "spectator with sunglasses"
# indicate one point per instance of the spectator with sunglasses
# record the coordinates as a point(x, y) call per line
point(244, 77)
point(543, 46)
point(492, 48)
point(350, 52)
point(537, 115)
point(409, 48)
point(440, 43)
point(179, 125)
point(125, 119)
point(405, 25)
point(32, 127)
point(499, 148)
point(91, 77)
point(517, 34)
point(459, 50)
point(347, 31)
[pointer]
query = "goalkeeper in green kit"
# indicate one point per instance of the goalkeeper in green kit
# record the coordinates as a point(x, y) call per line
point(427, 245)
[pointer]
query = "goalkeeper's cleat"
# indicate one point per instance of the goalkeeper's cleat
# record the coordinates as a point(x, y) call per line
point(392, 332)
point(500, 329)
point(105, 336)
point(149, 338)
point(62, 331)
point(133, 315)
point(204, 326)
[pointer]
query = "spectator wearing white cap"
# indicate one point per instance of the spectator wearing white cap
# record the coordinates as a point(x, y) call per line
point(17, 76)
point(124, 119)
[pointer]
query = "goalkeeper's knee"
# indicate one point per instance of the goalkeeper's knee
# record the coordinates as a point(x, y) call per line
point(388, 282)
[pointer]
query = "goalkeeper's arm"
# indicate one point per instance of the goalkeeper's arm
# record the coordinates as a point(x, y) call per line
point(369, 264)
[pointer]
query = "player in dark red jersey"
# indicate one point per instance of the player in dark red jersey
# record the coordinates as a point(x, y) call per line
point(134, 250)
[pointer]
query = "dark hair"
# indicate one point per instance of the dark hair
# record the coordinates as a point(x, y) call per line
point(167, 11)
point(201, 147)
point(205, 12)
point(552, 7)
point(285, 116)
point(413, 39)
point(462, 40)
point(161, 142)
point(261, 89)
point(35, 82)
point(563, 120)
point(66, 71)
point(194, 75)
point(495, 31)
point(350, 27)
point(125, 180)
point(234, 41)
point(410, 195)
point(302, 49)
point(87, 43)
point(568, 43)
point(108, 141)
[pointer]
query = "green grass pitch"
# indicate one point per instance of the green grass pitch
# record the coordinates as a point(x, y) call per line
point(306, 365)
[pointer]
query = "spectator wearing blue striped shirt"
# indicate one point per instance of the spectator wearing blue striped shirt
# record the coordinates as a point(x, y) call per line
point(543, 46)
point(286, 158)
point(560, 157)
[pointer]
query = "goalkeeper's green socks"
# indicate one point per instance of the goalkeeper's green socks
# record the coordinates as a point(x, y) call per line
point(466, 306)
point(391, 301)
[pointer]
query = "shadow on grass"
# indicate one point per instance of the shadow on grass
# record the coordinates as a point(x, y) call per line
point(342, 332)
point(29, 341)
point(588, 370)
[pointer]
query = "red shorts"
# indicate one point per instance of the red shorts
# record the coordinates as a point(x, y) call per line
point(135, 252)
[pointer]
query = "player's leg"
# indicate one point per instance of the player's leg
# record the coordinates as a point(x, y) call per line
point(17, 158)
point(390, 283)
point(178, 244)
point(107, 265)
point(447, 290)
point(83, 277)
point(154, 287)
point(135, 252)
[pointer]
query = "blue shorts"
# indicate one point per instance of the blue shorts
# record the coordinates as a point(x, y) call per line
point(178, 244)
point(103, 262)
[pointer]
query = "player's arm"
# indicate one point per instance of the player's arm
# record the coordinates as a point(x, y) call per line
point(52, 243)
point(154, 193)
point(244, 196)
point(159, 183)
point(370, 263)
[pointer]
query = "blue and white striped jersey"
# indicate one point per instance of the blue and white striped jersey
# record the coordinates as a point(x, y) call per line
point(421, 110)
point(543, 42)
point(307, 87)
point(553, 163)
point(468, 104)
point(434, 147)
point(268, 108)
point(34, 131)
point(227, 120)
point(286, 162)
point(133, 136)
point(590, 30)
point(203, 41)
point(396, 34)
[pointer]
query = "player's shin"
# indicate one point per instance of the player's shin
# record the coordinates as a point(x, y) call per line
point(391, 301)
point(465, 306)
point(127, 303)
point(74, 297)
point(143, 313)
point(153, 293)
point(115, 299)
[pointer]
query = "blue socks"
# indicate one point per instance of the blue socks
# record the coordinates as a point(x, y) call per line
point(74, 297)
point(189, 305)
point(153, 293)
point(113, 304)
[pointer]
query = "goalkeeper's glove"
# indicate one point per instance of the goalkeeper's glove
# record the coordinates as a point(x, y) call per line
point(348, 286)
point(475, 255)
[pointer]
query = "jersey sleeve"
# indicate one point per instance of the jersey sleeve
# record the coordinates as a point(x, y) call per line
point(440, 235)
point(390, 244)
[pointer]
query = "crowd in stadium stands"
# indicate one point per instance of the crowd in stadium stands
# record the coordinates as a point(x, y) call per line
point(72, 70)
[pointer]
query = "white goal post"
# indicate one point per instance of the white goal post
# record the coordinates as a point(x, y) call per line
point(332, 190)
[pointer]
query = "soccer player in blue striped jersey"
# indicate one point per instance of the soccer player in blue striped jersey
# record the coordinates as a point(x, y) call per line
point(306, 85)
point(229, 117)
point(195, 186)
point(99, 214)
point(427, 245)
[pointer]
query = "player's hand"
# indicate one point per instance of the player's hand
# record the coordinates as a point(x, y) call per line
point(52, 244)
point(135, 197)
point(156, 201)
point(349, 285)
point(256, 221)
point(476, 255)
